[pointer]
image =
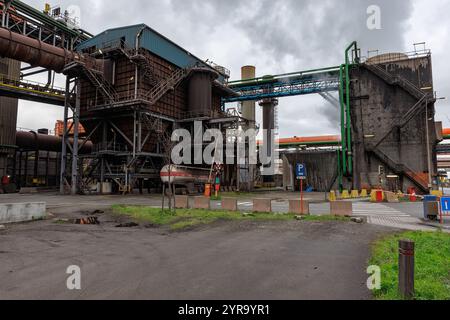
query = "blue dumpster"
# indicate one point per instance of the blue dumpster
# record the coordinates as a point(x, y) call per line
point(430, 207)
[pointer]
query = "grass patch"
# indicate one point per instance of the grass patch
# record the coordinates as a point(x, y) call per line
point(432, 270)
point(186, 218)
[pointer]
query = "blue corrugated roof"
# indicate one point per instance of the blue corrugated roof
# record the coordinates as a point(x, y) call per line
point(150, 40)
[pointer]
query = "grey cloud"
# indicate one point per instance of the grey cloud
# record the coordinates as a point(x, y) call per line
point(277, 36)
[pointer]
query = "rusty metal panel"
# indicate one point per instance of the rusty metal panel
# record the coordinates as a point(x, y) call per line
point(8, 107)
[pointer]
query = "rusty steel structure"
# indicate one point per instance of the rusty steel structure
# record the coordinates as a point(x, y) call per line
point(132, 104)
point(128, 97)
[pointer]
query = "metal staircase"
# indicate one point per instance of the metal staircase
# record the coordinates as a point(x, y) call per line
point(144, 64)
point(423, 98)
point(106, 89)
point(405, 119)
point(166, 85)
point(401, 169)
point(396, 80)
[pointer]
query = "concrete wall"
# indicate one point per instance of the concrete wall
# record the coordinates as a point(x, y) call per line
point(321, 167)
point(375, 107)
point(21, 212)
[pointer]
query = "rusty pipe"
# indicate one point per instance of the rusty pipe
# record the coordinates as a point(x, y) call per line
point(32, 141)
point(38, 53)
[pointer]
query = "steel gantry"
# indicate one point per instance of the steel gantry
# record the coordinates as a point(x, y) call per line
point(284, 85)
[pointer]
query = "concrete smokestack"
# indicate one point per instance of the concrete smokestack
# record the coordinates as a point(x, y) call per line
point(248, 107)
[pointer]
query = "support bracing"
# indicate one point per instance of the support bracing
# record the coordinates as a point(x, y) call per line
point(69, 154)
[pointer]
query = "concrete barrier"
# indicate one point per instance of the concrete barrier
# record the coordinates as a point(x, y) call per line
point(262, 205)
point(341, 208)
point(22, 212)
point(229, 204)
point(181, 202)
point(202, 203)
point(295, 207)
point(392, 197)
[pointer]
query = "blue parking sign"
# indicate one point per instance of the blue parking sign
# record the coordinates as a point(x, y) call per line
point(300, 171)
point(445, 204)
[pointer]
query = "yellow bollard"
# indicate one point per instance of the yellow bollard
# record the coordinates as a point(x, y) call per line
point(373, 196)
point(355, 194)
point(364, 193)
point(345, 194)
point(332, 196)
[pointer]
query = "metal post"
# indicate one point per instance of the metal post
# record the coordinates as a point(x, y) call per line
point(76, 122)
point(64, 139)
point(20, 169)
point(430, 179)
point(134, 134)
point(139, 137)
point(47, 168)
point(406, 268)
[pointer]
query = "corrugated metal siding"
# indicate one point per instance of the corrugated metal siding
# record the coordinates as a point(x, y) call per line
point(150, 40)
point(8, 106)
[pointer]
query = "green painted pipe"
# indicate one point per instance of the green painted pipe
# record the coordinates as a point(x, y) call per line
point(340, 176)
point(347, 93)
point(343, 135)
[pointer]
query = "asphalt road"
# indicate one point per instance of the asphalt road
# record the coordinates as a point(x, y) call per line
point(276, 260)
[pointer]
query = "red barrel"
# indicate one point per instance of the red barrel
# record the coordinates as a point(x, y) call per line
point(412, 194)
point(379, 195)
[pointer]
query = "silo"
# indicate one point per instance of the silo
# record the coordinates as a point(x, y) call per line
point(8, 114)
point(200, 92)
point(248, 107)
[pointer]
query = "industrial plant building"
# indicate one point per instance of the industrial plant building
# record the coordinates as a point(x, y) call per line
point(131, 87)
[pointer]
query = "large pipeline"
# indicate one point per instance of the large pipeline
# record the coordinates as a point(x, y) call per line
point(32, 141)
point(38, 53)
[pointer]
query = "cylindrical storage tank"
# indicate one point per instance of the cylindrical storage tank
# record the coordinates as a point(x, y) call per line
point(248, 107)
point(184, 175)
point(200, 92)
point(8, 114)
point(387, 57)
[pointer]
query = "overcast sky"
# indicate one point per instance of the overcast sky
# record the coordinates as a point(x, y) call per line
point(276, 36)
